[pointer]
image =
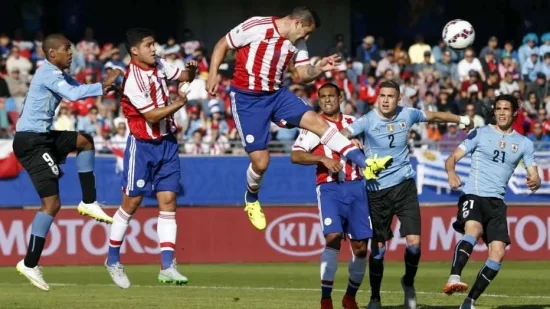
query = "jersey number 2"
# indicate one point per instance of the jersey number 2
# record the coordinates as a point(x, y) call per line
point(391, 138)
point(497, 155)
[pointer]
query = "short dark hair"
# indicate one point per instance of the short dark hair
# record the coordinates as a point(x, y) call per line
point(329, 85)
point(390, 84)
point(307, 15)
point(509, 98)
point(52, 41)
point(134, 36)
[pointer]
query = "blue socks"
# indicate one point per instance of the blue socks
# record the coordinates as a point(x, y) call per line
point(113, 256)
point(251, 197)
point(166, 258)
point(85, 161)
point(40, 228)
point(41, 224)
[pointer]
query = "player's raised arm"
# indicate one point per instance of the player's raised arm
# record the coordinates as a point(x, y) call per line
point(216, 59)
point(309, 73)
point(356, 128)
point(448, 117)
point(56, 82)
point(175, 73)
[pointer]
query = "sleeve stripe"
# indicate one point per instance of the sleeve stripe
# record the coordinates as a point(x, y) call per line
point(230, 41)
point(175, 74)
point(300, 61)
point(139, 82)
point(300, 148)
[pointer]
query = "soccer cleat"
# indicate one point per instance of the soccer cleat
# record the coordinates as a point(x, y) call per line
point(348, 302)
point(326, 303)
point(118, 275)
point(255, 214)
point(467, 304)
point(410, 296)
point(33, 274)
point(172, 275)
point(374, 304)
point(454, 285)
point(375, 165)
point(95, 211)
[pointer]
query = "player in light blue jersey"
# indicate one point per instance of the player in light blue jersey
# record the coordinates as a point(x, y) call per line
point(496, 152)
point(385, 132)
point(41, 150)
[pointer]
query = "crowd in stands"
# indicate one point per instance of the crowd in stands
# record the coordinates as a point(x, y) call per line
point(433, 78)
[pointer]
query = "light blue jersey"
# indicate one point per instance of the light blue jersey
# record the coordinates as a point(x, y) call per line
point(389, 137)
point(495, 156)
point(48, 86)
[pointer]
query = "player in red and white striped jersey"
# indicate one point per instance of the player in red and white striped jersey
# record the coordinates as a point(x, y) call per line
point(151, 157)
point(342, 200)
point(265, 47)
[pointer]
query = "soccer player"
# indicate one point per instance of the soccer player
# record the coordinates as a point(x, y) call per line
point(265, 46)
point(341, 197)
point(40, 150)
point(393, 193)
point(496, 151)
point(151, 158)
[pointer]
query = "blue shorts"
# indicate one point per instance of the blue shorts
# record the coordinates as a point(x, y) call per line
point(151, 166)
point(344, 208)
point(254, 112)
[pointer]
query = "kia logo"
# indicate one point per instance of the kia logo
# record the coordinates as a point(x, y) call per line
point(296, 234)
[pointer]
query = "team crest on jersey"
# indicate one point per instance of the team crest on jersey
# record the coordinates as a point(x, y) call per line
point(515, 147)
point(390, 127)
point(502, 144)
point(403, 125)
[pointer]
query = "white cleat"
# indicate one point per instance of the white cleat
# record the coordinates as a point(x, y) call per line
point(410, 296)
point(95, 211)
point(374, 304)
point(118, 275)
point(33, 274)
point(172, 275)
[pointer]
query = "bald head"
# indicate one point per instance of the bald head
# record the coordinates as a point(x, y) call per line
point(57, 49)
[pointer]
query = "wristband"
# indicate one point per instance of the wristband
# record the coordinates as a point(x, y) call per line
point(465, 120)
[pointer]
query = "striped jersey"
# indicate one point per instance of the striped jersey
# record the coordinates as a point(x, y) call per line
point(310, 142)
point(263, 54)
point(143, 90)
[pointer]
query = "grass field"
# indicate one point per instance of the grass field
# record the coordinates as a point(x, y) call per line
point(267, 286)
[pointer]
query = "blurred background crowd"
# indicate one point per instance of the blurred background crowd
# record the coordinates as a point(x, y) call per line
point(432, 77)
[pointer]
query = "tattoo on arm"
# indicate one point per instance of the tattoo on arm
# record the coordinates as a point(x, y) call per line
point(346, 133)
point(312, 71)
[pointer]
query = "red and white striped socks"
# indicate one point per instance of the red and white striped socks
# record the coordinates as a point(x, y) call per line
point(121, 220)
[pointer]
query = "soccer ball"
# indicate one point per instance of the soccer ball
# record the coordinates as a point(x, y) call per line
point(458, 34)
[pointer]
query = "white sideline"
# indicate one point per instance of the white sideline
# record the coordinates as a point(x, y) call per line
point(250, 288)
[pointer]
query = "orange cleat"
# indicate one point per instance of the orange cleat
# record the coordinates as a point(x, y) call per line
point(455, 287)
point(326, 303)
point(348, 302)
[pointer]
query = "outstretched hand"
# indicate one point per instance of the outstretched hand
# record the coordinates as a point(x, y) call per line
point(330, 63)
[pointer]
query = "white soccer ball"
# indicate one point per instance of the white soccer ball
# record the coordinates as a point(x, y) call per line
point(458, 34)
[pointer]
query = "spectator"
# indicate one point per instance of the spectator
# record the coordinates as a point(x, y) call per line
point(4, 89)
point(339, 47)
point(4, 120)
point(472, 85)
point(16, 62)
point(452, 138)
point(508, 65)
point(528, 48)
point(540, 140)
point(439, 51)
point(18, 88)
point(190, 43)
point(89, 47)
point(508, 85)
point(368, 54)
point(488, 63)
point(531, 105)
point(429, 102)
point(345, 84)
point(90, 123)
point(545, 48)
point(545, 66)
point(417, 51)
point(25, 47)
point(447, 68)
point(428, 84)
point(471, 112)
point(171, 47)
point(194, 122)
point(426, 66)
point(469, 63)
point(102, 140)
point(509, 52)
point(530, 67)
point(492, 81)
point(195, 145)
point(4, 45)
point(446, 105)
point(388, 63)
point(171, 56)
point(119, 140)
point(541, 87)
point(215, 143)
point(492, 47)
point(64, 120)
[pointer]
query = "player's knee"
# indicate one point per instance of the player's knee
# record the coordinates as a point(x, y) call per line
point(473, 228)
point(84, 141)
point(359, 248)
point(333, 240)
point(413, 240)
point(497, 250)
point(378, 251)
point(167, 201)
point(260, 163)
point(51, 205)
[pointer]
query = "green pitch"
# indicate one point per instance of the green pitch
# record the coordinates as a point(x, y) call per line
point(266, 286)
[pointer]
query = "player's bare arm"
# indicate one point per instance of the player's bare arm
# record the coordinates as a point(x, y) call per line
point(309, 73)
point(190, 72)
point(448, 117)
point(533, 178)
point(218, 55)
point(306, 158)
point(347, 133)
point(157, 114)
point(110, 79)
point(450, 167)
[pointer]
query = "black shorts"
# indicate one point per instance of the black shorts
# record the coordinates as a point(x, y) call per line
point(400, 201)
point(40, 155)
point(489, 211)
